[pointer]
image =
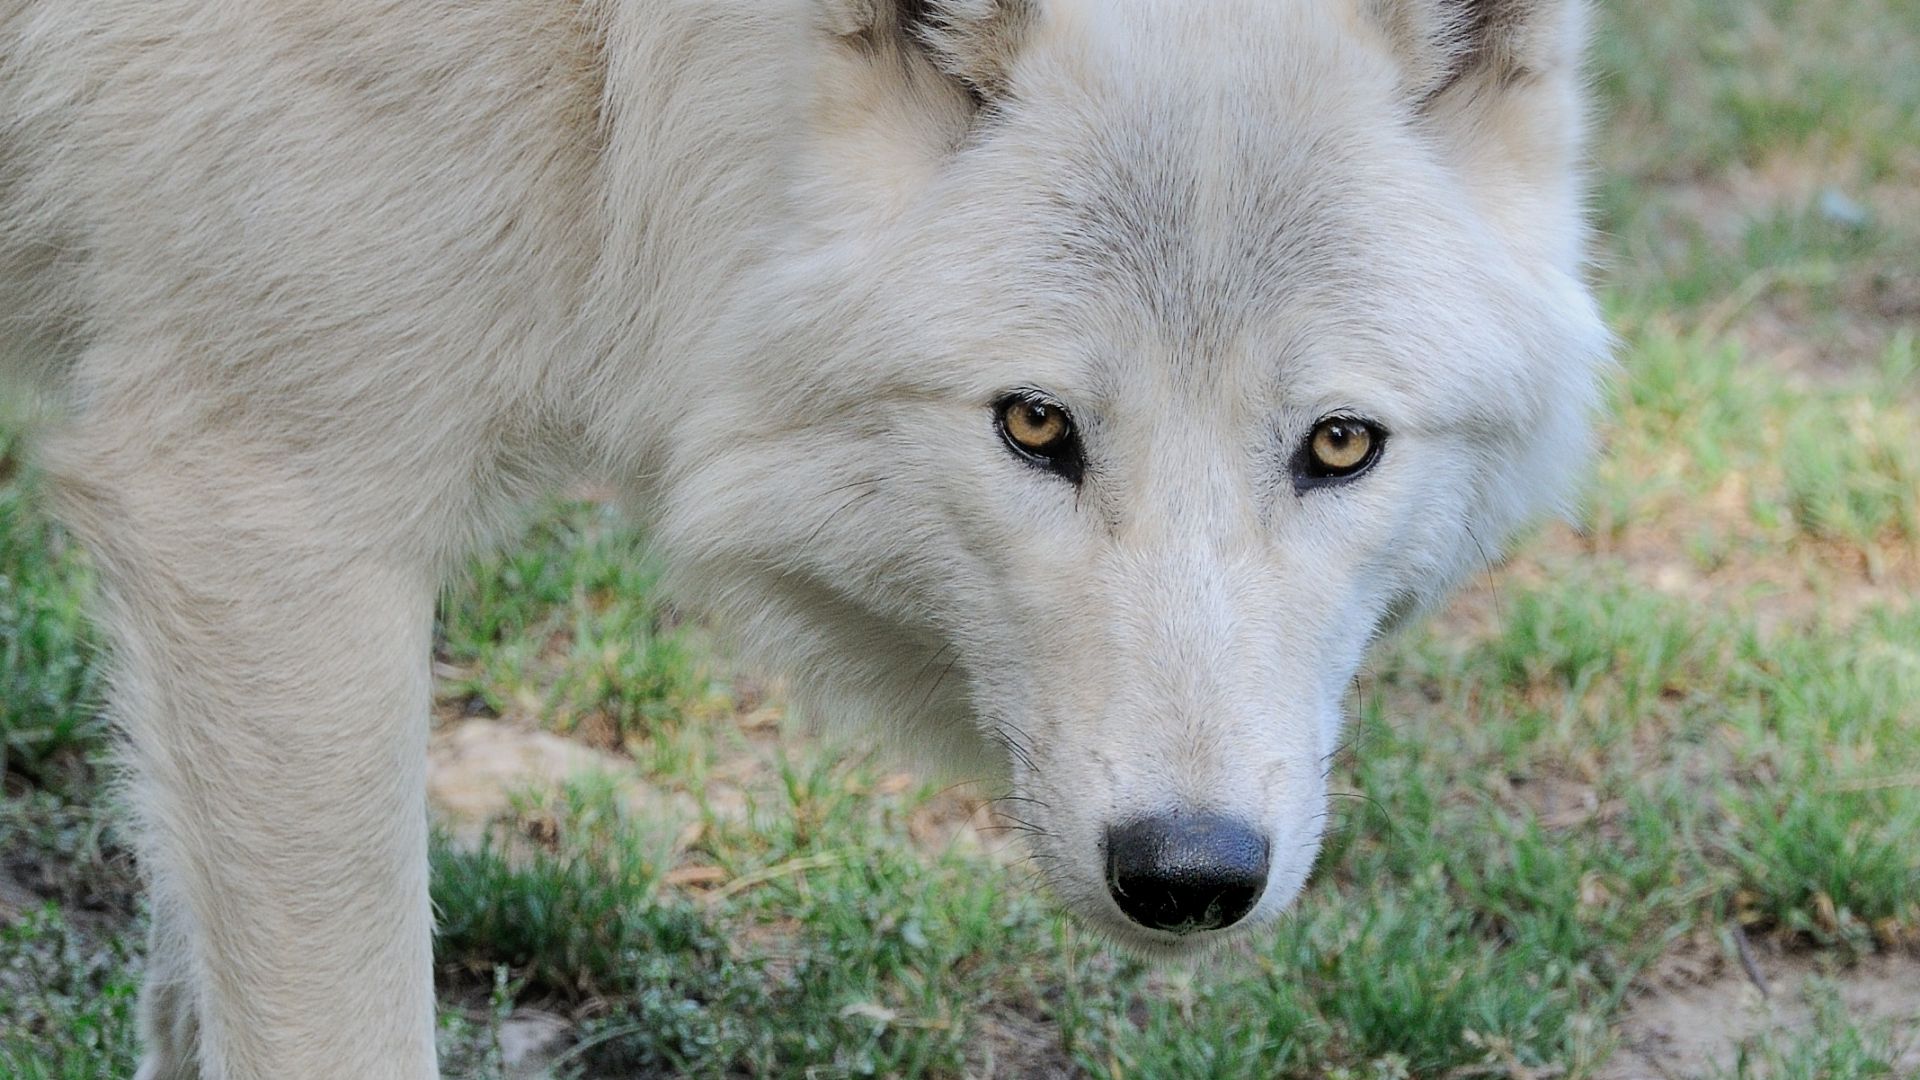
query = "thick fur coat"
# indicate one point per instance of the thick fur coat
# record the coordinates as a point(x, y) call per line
point(314, 293)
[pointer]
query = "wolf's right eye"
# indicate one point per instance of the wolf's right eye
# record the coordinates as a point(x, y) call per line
point(1338, 449)
point(1039, 431)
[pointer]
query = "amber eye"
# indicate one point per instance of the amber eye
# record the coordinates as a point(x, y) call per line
point(1040, 431)
point(1339, 448)
point(1035, 425)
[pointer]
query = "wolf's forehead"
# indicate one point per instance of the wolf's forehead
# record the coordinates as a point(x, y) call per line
point(1213, 189)
point(1206, 227)
point(1232, 246)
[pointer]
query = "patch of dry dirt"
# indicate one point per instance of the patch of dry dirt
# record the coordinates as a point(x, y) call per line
point(1700, 1006)
point(477, 768)
point(1873, 298)
point(1781, 587)
point(1724, 201)
point(1010, 1045)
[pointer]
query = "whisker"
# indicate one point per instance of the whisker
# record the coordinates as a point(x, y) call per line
point(1014, 749)
point(948, 670)
point(957, 785)
point(1487, 564)
point(1020, 823)
point(829, 519)
point(1372, 802)
point(849, 486)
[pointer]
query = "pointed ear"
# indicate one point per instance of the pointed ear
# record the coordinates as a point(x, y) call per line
point(1445, 45)
point(1499, 83)
point(975, 42)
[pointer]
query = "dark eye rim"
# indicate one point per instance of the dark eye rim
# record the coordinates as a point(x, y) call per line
point(1066, 459)
point(1309, 474)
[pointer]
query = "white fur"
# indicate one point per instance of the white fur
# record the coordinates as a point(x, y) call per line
point(320, 291)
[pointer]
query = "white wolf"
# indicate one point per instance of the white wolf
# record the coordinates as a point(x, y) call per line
point(1080, 383)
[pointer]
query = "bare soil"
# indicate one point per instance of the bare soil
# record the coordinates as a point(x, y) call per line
point(1693, 1017)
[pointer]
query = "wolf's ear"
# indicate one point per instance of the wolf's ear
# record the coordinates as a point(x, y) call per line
point(973, 41)
point(1499, 82)
point(1447, 44)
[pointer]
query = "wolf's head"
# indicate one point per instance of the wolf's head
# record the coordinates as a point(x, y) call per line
point(1135, 364)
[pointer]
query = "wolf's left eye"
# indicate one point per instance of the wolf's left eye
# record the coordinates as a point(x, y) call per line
point(1338, 448)
point(1040, 431)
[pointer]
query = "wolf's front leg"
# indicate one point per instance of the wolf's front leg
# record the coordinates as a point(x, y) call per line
point(272, 677)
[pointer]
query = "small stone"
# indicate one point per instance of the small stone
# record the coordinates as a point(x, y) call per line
point(530, 1040)
point(1836, 206)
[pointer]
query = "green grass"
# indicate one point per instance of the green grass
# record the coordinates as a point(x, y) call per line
point(565, 626)
point(48, 697)
point(70, 1000)
point(1697, 718)
point(1694, 87)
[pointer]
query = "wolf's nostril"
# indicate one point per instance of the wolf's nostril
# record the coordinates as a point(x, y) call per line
point(1186, 872)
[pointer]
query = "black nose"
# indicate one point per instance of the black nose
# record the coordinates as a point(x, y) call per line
point(1186, 872)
